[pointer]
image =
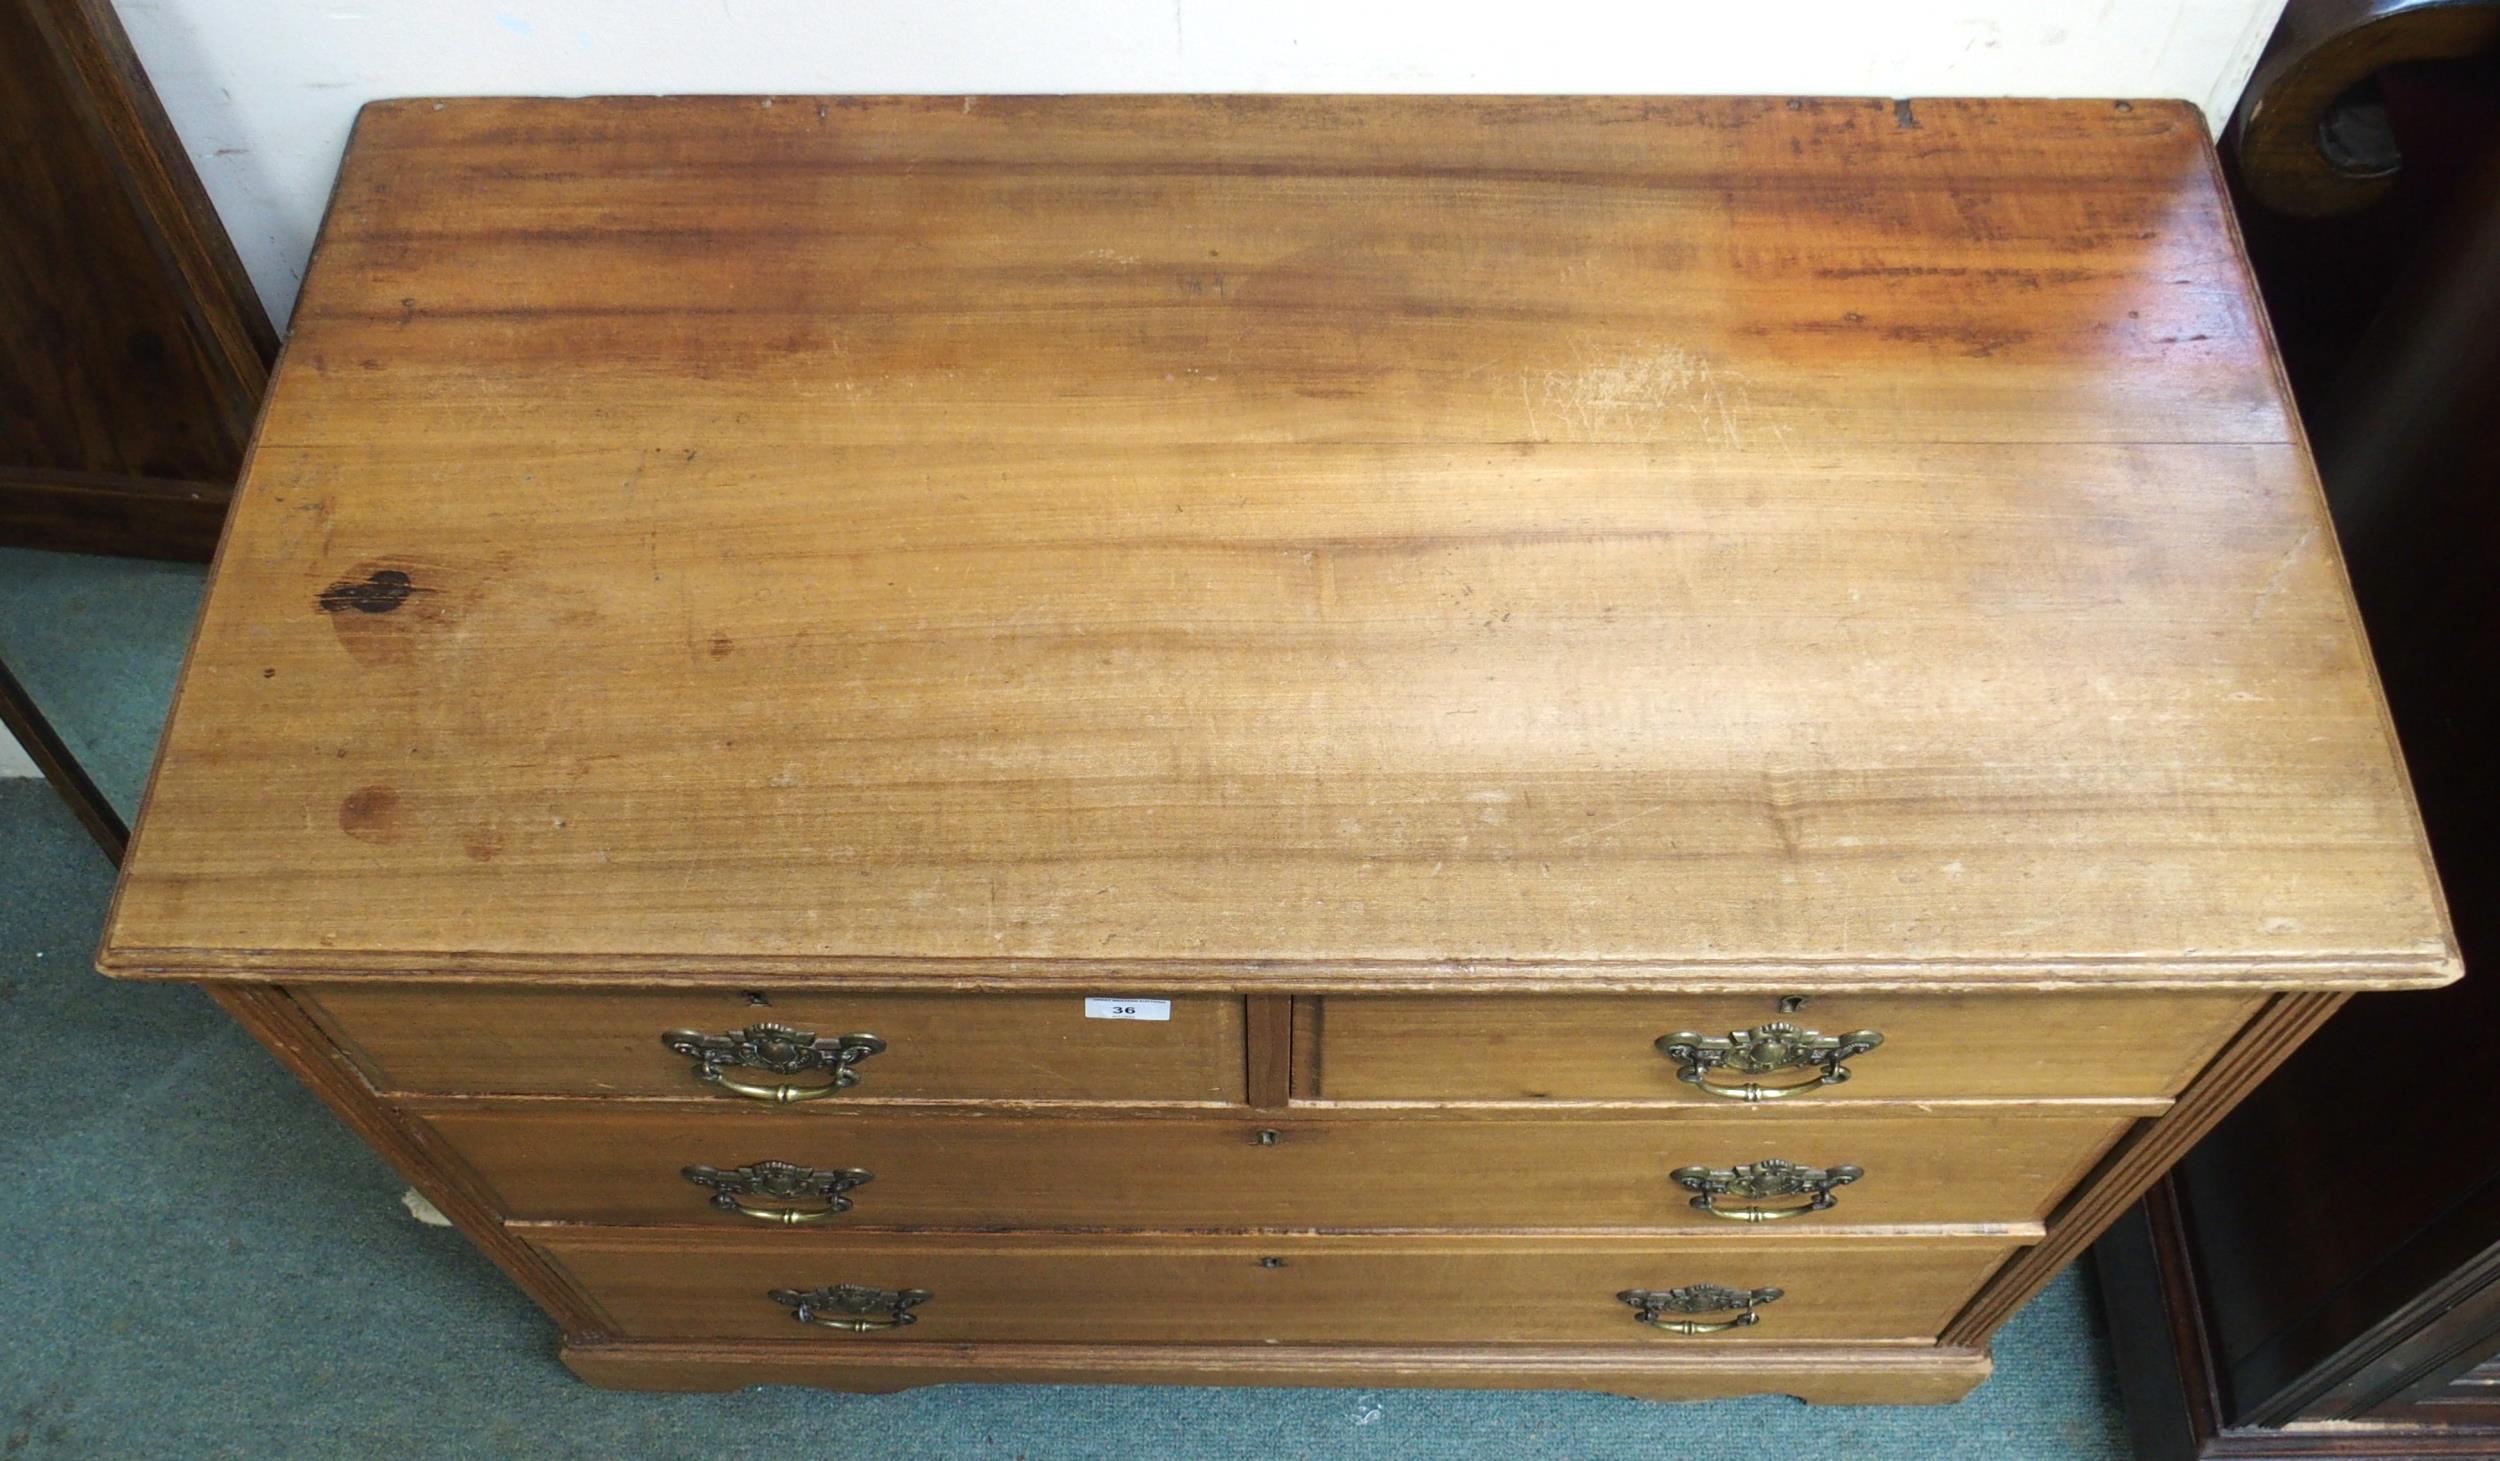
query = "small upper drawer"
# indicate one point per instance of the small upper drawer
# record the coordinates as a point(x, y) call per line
point(1757, 1047)
point(601, 1042)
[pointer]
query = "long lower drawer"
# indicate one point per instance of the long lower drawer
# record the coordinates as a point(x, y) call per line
point(577, 1163)
point(1303, 1289)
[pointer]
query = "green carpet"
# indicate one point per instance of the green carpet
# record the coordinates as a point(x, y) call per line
point(97, 642)
point(197, 1261)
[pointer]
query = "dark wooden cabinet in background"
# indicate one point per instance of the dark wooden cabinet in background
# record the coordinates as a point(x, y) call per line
point(133, 351)
point(2322, 1275)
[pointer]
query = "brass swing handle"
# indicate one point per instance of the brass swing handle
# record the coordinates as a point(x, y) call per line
point(1706, 1061)
point(780, 1182)
point(780, 1050)
point(1651, 1307)
point(859, 1326)
point(851, 1308)
point(1695, 1326)
point(1771, 1178)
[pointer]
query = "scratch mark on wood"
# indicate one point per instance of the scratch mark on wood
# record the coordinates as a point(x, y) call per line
point(1620, 397)
point(2282, 571)
point(1577, 838)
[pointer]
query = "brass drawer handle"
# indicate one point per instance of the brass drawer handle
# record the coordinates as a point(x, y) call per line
point(1651, 1307)
point(779, 1182)
point(852, 1309)
point(1770, 1177)
point(1761, 1051)
point(779, 1049)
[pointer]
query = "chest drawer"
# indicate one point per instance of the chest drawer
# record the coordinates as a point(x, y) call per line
point(922, 1170)
point(1300, 1289)
point(1636, 1047)
point(592, 1042)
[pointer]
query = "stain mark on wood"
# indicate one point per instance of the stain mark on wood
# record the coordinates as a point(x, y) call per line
point(379, 592)
point(370, 814)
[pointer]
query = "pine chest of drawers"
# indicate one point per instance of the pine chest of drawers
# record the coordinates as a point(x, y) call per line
point(1657, 745)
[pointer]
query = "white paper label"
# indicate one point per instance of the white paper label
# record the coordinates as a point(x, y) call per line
point(1128, 1009)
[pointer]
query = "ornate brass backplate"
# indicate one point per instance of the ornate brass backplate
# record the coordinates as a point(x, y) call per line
point(1763, 1050)
point(1769, 1178)
point(851, 1308)
point(779, 1183)
point(779, 1049)
point(1651, 1306)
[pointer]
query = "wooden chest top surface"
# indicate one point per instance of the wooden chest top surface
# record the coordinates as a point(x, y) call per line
point(1422, 542)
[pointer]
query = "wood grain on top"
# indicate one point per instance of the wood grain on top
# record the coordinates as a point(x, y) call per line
point(1290, 541)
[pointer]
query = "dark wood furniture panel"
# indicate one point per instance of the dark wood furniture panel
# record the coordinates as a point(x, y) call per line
point(2317, 1277)
point(133, 350)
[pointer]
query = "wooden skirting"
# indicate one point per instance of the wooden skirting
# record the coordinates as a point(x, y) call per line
point(1831, 1375)
point(128, 517)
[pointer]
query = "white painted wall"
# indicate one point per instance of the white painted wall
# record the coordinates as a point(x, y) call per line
point(263, 90)
point(13, 759)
